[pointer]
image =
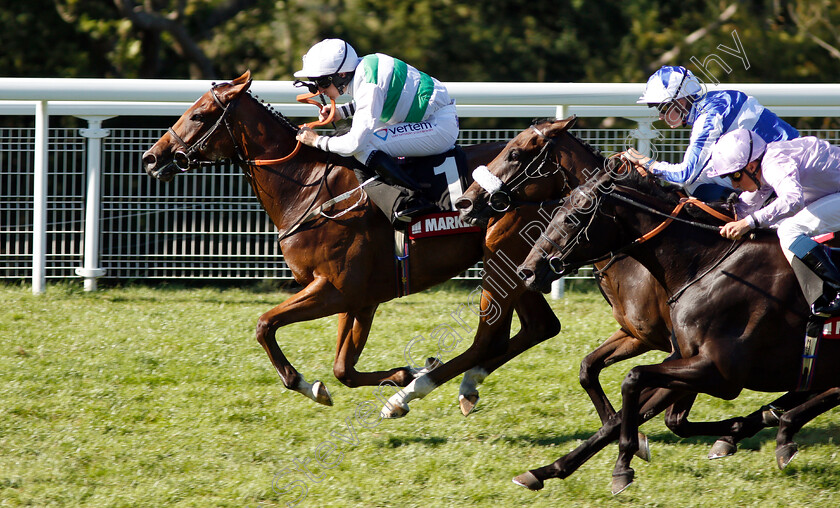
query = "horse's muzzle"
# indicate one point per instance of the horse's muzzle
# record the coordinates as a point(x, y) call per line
point(163, 173)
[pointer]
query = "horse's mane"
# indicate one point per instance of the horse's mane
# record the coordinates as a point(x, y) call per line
point(647, 185)
point(280, 117)
point(594, 151)
point(670, 195)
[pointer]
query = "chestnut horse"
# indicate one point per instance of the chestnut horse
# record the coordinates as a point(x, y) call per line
point(739, 317)
point(338, 259)
point(526, 177)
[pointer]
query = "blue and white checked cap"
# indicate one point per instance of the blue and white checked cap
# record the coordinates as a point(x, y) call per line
point(669, 83)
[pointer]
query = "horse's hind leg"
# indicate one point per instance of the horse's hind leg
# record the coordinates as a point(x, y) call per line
point(748, 426)
point(318, 299)
point(353, 330)
point(792, 421)
point(538, 324)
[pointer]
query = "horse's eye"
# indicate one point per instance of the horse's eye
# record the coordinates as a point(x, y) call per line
point(513, 155)
point(197, 117)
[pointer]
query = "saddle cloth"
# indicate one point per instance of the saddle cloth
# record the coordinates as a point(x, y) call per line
point(446, 175)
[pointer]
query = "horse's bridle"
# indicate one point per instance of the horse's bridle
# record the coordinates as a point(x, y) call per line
point(501, 199)
point(184, 159)
point(557, 262)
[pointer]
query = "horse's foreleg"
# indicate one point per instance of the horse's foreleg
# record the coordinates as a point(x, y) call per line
point(491, 334)
point(694, 374)
point(618, 347)
point(538, 324)
point(353, 330)
point(655, 402)
point(792, 421)
point(316, 300)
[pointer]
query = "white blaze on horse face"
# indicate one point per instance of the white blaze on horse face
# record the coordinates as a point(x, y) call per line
point(487, 180)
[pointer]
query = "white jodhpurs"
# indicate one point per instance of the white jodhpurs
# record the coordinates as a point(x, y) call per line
point(432, 136)
point(820, 217)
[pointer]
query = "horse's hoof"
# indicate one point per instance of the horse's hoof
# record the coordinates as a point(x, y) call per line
point(529, 481)
point(392, 411)
point(644, 448)
point(621, 481)
point(721, 449)
point(771, 416)
point(322, 395)
point(786, 453)
point(467, 403)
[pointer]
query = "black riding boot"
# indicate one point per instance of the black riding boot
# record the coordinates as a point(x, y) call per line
point(819, 261)
point(410, 202)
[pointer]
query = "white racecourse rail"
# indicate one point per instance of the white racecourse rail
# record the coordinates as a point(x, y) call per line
point(76, 202)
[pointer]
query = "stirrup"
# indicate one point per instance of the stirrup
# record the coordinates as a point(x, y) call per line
point(824, 308)
point(408, 214)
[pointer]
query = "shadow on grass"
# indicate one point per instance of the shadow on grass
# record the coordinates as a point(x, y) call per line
point(397, 441)
point(545, 441)
point(806, 437)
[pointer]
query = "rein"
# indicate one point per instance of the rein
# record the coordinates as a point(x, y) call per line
point(673, 215)
point(305, 98)
point(669, 218)
point(184, 159)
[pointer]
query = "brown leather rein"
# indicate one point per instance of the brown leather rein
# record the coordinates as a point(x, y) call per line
point(307, 99)
point(557, 264)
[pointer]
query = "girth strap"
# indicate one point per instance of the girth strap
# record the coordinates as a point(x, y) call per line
point(813, 333)
point(401, 256)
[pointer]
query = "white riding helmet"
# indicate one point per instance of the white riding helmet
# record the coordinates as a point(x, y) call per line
point(734, 150)
point(670, 83)
point(328, 57)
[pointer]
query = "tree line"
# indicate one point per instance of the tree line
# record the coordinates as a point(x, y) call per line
point(454, 40)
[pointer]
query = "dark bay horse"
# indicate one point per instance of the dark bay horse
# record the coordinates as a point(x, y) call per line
point(738, 315)
point(526, 178)
point(338, 260)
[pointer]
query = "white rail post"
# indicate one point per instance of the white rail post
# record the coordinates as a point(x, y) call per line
point(558, 287)
point(643, 135)
point(39, 209)
point(94, 134)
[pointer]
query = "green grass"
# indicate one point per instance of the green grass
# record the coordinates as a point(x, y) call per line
point(161, 397)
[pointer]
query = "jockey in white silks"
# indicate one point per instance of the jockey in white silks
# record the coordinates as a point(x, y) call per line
point(805, 175)
point(397, 111)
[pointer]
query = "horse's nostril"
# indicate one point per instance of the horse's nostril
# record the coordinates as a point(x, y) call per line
point(464, 204)
point(149, 159)
point(525, 273)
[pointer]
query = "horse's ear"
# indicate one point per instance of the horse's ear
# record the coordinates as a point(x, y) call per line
point(561, 125)
point(244, 78)
point(238, 86)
